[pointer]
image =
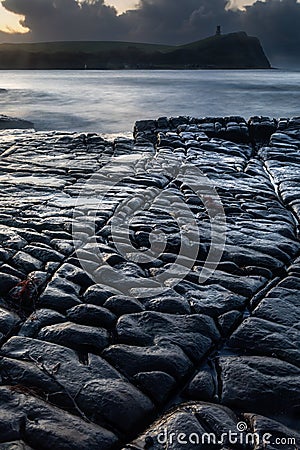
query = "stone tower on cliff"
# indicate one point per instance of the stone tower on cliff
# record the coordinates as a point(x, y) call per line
point(218, 31)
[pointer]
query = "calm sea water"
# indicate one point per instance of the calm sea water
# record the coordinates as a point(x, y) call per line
point(111, 101)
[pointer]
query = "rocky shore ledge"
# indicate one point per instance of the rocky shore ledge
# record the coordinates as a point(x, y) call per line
point(88, 365)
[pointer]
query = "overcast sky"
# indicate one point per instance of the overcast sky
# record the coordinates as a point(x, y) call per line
point(275, 22)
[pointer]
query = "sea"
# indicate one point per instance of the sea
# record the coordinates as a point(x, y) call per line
point(110, 102)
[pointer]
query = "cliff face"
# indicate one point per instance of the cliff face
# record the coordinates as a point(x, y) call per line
point(231, 51)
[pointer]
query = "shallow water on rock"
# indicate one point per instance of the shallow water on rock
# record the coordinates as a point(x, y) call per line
point(111, 101)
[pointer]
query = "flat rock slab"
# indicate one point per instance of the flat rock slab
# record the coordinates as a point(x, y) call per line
point(207, 426)
point(44, 426)
point(103, 325)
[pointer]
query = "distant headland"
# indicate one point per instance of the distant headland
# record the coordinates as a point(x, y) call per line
point(228, 51)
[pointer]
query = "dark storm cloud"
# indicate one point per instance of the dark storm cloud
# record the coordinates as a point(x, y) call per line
point(67, 19)
point(173, 21)
point(275, 22)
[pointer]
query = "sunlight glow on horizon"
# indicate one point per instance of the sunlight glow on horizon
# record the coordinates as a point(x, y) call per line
point(122, 5)
point(234, 4)
point(9, 22)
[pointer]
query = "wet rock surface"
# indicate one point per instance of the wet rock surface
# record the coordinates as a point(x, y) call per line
point(96, 351)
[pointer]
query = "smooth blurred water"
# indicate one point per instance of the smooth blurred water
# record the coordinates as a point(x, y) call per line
point(111, 101)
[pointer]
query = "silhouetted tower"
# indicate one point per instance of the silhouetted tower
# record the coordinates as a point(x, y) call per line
point(218, 32)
